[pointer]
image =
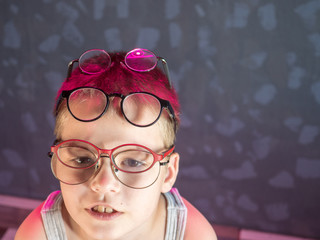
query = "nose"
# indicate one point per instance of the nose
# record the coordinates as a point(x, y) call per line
point(104, 180)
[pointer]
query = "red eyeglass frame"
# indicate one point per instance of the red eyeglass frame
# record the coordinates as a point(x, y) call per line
point(157, 157)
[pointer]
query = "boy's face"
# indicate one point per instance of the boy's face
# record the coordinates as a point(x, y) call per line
point(133, 211)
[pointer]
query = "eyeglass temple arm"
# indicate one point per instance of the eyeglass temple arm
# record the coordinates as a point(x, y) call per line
point(50, 154)
point(166, 69)
point(164, 163)
point(168, 154)
point(171, 113)
point(70, 67)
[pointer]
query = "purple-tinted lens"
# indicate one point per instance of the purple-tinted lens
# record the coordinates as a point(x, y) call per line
point(94, 61)
point(141, 60)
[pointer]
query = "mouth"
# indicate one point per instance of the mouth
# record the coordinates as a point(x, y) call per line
point(102, 209)
point(105, 213)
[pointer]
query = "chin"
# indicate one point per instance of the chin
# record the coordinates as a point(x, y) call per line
point(105, 232)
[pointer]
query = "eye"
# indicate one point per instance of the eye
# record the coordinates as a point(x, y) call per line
point(79, 161)
point(132, 163)
point(133, 160)
point(76, 158)
point(83, 161)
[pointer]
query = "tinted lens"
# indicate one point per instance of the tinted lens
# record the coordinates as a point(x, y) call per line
point(74, 162)
point(141, 60)
point(87, 104)
point(141, 109)
point(136, 164)
point(94, 61)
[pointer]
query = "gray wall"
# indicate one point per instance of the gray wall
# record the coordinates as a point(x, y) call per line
point(247, 73)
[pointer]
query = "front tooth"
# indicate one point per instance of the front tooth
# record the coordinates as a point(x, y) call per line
point(100, 209)
point(108, 210)
point(103, 209)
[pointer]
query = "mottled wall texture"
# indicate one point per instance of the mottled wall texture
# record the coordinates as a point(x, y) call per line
point(248, 76)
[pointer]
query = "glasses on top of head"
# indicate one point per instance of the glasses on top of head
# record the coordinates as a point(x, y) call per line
point(141, 109)
point(76, 161)
point(96, 61)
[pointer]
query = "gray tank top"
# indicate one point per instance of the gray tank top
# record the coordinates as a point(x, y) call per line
point(55, 230)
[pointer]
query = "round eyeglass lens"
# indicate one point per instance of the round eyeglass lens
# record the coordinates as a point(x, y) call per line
point(74, 162)
point(141, 60)
point(141, 109)
point(87, 104)
point(94, 61)
point(135, 164)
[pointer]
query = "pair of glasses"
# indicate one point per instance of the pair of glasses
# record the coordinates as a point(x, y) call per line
point(76, 161)
point(96, 61)
point(141, 109)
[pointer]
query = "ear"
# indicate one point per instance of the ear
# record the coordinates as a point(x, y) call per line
point(171, 172)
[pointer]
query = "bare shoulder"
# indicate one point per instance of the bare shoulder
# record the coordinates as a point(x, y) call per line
point(197, 226)
point(32, 227)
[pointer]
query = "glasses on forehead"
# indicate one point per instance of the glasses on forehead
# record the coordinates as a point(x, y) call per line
point(141, 109)
point(96, 61)
point(136, 166)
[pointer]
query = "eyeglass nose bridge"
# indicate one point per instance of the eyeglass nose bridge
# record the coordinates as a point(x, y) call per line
point(105, 153)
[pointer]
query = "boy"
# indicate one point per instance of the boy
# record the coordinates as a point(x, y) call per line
point(116, 121)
